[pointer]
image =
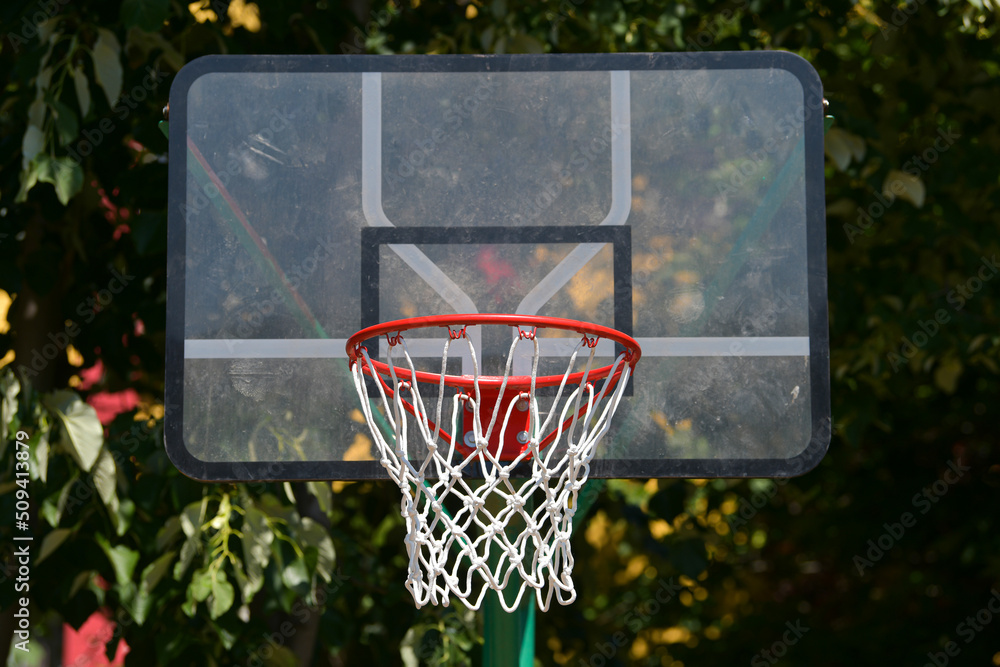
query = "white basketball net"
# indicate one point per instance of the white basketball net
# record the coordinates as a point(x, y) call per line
point(468, 550)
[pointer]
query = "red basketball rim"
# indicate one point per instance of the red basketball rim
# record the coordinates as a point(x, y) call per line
point(522, 322)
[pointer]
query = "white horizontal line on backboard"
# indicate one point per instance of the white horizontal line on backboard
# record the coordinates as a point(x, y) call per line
point(332, 348)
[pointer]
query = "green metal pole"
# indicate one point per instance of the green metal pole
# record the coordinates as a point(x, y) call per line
point(509, 638)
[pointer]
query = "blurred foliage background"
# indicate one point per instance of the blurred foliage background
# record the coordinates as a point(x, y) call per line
point(826, 569)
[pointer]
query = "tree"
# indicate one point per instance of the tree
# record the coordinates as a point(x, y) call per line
point(737, 570)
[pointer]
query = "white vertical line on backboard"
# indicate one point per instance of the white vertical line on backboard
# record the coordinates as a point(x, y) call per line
point(371, 200)
point(621, 198)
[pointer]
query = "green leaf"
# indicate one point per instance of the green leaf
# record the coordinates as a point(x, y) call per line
point(222, 596)
point(32, 144)
point(29, 177)
point(9, 389)
point(82, 86)
point(123, 516)
point(155, 571)
point(82, 433)
point(107, 64)
point(64, 173)
point(52, 542)
point(192, 517)
point(67, 126)
point(324, 495)
point(190, 606)
point(312, 534)
point(80, 581)
point(52, 509)
point(40, 454)
point(68, 178)
point(201, 585)
point(150, 577)
point(257, 540)
point(105, 478)
point(408, 648)
point(295, 574)
point(166, 535)
point(189, 550)
point(123, 559)
point(147, 15)
point(36, 112)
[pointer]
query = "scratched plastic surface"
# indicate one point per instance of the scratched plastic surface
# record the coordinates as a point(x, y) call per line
point(485, 189)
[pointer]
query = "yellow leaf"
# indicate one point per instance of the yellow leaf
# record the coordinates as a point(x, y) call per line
point(947, 374)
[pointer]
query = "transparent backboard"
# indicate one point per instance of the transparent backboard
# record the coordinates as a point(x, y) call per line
point(675, 197)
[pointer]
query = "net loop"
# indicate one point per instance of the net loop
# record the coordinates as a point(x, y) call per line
point(489, 470)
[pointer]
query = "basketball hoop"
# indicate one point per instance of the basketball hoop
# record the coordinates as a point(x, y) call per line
point(495, 428)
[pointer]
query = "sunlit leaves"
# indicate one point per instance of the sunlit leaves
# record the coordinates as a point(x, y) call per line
point(81, 432)
point(52, 542)
point(905, 186)
point(9, 389)
point(82, 87)
point(64, 173)
point(123, 559)
point(842, 147)
point(32, 144)
point(107, 64)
